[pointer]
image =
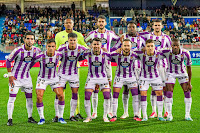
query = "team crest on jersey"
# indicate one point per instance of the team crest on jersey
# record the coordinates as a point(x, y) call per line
point(96, 63)
point(125, 64)
point(28, 59)
point(149, 63)
point(176, 61)
point(50, 65)
point(157, 43)
point(72, 58)
point(103, 41)
point(134, 44)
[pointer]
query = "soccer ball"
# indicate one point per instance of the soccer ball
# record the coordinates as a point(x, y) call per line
point(5, 75)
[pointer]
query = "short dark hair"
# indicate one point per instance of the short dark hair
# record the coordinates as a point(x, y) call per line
point(175, 40)
point(96, 39)
point(101, 16)
point(132, 22)
point(50, 40)
point(73, 35)
point(30, 33)
point(149, 41)
point(157, 20)
point(125, 40)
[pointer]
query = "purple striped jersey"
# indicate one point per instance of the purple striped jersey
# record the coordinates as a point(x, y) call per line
point(48, 64)
point(163, 41)
point(176, 62)
point(70, 57)
point(125, 64)
point(106, 37)
point(149, 64)
point(96, 63)
point(22, 61)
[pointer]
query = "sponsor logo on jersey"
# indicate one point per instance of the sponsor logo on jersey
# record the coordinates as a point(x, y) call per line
point(72, 58)
point(50, 65)
point(157, 43)
point(176, 61)
point(125, 64)
point(134, 44)
point(149, 63)
point(103, 41)
point(96, 63)
point(28, 59)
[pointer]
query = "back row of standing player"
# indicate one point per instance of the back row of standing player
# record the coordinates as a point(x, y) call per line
point(93, 74)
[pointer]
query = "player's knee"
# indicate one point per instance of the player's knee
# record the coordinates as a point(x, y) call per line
point(87, 95)
point(159, 93)
point(106, 95)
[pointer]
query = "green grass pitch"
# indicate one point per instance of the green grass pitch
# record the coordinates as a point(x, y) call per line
point(127, 125)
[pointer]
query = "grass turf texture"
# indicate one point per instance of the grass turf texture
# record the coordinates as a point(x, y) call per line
point(126, 125)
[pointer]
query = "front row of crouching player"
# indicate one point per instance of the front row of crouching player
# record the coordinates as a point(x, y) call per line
point(69, 53)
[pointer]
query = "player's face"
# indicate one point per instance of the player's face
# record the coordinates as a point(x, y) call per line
point(157, 26)
point(29, 40)
point(126, 46)
point(131, 29)
point(51, 48)
point(175, 47)
point(96, 46)
point(68, 24)
point(150, 47)
point(72, 42)
point(101, 23)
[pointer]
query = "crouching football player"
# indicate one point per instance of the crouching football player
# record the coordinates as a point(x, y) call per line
point(48, 76)
point(177, 70)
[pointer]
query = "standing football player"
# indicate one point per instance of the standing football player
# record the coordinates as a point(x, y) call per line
point(48, 76)
point(62, 38)
point(106, 37)
point(177, 70)
point(68, 70)
point(161, 41)
point(96, 76)
point(137, 42)
point(19, 76)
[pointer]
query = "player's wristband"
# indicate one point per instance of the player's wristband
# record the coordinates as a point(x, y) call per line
point(9, 74)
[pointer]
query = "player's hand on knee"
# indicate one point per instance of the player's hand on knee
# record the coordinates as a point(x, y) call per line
point(104, 49)
point(119, 50)
point(11, 80)
point(189, 86)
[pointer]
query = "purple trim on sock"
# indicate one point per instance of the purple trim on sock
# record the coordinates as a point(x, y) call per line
point(187, 94)
point(56, 97)
point(39, 104)
point(115, 95)
point(96, 91)
point(153, 93)
point(169, 94)
point(74, 96)
point(87, 95)
point(61, 102)
point(143, 98)
point(106, 95)
point(13, 95)
point(159, 98)
point(28, 95)
point(134, 91)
